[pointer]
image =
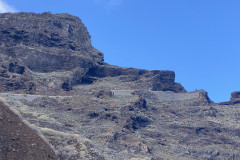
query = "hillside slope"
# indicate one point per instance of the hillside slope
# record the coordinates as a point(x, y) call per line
point(18, 141)
point(58, 83)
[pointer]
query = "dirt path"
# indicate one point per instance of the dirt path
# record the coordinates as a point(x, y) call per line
point(29, 97)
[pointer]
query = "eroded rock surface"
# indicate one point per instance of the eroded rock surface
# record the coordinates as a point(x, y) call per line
point(235, 99)
point(84, 108)
point(59, 43)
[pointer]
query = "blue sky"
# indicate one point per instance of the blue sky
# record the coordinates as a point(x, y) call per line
point(198, 39)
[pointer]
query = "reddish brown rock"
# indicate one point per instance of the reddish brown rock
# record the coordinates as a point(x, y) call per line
point(18, 141)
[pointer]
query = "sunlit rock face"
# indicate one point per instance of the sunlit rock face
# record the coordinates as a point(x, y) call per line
point(46, 42)
point(33, 43)
point(42, 43)
point(62, 98)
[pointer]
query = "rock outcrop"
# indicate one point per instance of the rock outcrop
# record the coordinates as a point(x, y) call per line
point(47, 42)
point(42, 43)
point(235, 99)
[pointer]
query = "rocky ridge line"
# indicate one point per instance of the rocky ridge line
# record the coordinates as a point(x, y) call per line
point(48, 43)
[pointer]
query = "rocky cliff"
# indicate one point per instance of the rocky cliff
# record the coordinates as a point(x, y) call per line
point(59, 86)
point(56, 43)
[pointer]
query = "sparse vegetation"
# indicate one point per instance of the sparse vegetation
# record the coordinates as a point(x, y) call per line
point(58, 85)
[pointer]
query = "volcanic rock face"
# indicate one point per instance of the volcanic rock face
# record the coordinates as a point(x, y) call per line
point(235, 99)
point(46, 43)
point(57, 82)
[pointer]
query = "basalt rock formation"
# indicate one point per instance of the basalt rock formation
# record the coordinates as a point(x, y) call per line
point(235, 99)
point(57, 89)
point(42, 43)
point(46, 43)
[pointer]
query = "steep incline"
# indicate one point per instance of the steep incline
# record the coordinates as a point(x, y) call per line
point(18, 141)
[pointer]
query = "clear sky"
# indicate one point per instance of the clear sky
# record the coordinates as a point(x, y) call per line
point(198, 39)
